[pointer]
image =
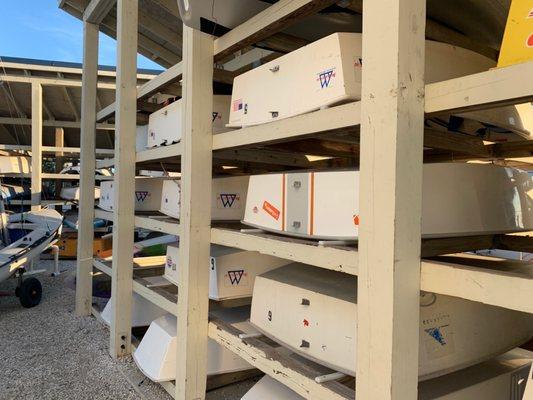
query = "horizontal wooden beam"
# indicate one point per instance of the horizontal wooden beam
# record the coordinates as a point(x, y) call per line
point(345, 116)
point(274, 361)
point(484, 90)
point(52, 149)
point(268, 22)
point(494, 282)
point(53, 123)
point(51, 81)
point(97, 10)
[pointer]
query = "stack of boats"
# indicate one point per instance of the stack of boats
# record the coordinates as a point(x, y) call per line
point(312, 311)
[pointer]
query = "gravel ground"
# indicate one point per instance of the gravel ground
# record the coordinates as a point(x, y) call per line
point(47, 352)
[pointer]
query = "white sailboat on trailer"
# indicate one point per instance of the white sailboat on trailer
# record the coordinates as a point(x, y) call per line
point(41, 229)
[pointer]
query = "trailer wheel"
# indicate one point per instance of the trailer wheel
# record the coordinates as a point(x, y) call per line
point(30, 292)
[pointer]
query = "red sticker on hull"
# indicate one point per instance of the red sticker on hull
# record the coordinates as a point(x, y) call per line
point(270, 209)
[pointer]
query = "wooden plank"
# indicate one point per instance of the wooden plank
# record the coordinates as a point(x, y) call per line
point(392, 127)
point(52, 149)
point(342, 117)
point(153, 296)
point(52, 123)
point(487, 89)
point(495, 282)
point(97, 10)
point(36, 145)
point(193, 304)
point(296, 375)
point(50, 81)
point(123, 222)
point(87, 163)
point(268, 22)
point(151, 87)
point(164, 225)
point(297, 250)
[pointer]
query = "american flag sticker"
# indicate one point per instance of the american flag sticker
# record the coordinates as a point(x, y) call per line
point(237, 105)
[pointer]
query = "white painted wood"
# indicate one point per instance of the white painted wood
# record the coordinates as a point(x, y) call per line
point(97, 10)
point(482, 90)
point(147, 89)
point(258, 22)
point(392, 117)
point(87, 165)
point(53, 149)
point(191, 355)
point(54, 123)
point(337, 259)
point(51, 81)
point(268, 360)
point(123, 225)
point(36, 145)
point(343, 116)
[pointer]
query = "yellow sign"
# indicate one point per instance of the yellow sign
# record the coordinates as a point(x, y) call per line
point(517, 45)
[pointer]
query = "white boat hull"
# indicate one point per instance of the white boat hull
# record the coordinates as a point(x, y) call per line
point(156, 354)
point(15, 165)
point(328, 72)
point(73, 193)
point(147, 195)
point(143, 312)
point(228, 197)
point(503, 378)
point(164, 126)
point(232, 271)
point(458, 199)
point(314, 312)
point(44, 228)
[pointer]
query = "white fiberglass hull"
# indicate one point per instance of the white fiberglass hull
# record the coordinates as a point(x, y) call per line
point(147, 194)
point(143, 312)
point(228, 196)
point(314, 313)
point(15, 165)
point(328, 72)
point(165, 125)
point(73, 193)
point(44, 227)
point(156, 354)
point(458, 199)
point(232, 271)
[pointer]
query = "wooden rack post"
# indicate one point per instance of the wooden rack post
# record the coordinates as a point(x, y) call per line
point(87, 165)
point(36, 144)
point(124, 183)
point(195, 221)
point(392, 115)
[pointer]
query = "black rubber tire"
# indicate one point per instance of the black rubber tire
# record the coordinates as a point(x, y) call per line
point(30, 292)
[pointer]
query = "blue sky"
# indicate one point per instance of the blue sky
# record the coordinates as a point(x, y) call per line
point(39, 29)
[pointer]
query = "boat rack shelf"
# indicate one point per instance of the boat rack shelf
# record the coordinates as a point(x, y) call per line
point(161, 154)
point(447, 266)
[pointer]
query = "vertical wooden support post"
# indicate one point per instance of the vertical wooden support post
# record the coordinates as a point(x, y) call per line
point(124, 184)
point(36, 144)
point(87, 166)
point(60, 142)
point(390, 199)
point(195, 219)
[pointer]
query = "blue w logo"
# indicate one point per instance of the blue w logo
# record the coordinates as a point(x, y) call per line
point(325, 78)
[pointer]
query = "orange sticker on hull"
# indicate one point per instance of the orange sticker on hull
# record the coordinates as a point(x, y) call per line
point(270, 209)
